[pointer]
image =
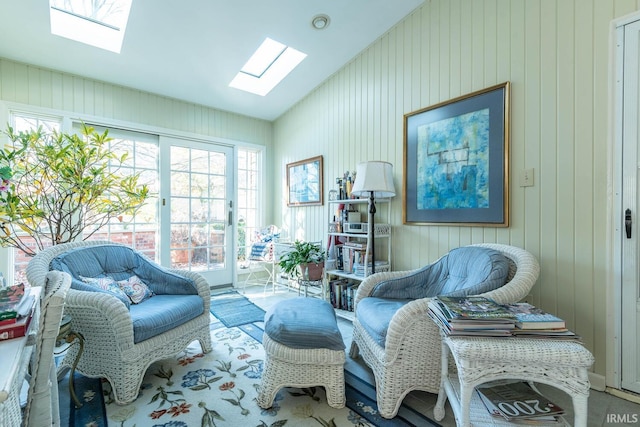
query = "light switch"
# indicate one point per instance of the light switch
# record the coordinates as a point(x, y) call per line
point(526, 178)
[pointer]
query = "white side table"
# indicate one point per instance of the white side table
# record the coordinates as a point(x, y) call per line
point(561, 364)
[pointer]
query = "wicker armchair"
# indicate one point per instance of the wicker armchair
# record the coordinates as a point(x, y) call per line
point(411, 357)
point(110, 349)
point(42, 400)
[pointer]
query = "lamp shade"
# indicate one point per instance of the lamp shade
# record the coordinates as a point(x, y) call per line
point(374, 176)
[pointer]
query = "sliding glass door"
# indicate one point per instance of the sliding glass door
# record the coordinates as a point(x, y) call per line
point(197, 208)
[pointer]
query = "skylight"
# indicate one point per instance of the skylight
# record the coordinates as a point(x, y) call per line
point(97, 23)
point(267, 67)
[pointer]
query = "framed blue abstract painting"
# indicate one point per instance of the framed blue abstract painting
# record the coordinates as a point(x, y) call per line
point(304, 182)
point(456, 161)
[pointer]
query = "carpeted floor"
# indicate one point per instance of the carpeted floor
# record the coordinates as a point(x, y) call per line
point(218, 389)
point(233, 309)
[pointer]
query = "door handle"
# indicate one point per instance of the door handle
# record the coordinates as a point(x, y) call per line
point(627, 222)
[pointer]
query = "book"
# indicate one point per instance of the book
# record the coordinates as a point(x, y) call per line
point(357, 245)
point(20, 327)
point(532, 317)
point(13, 301)
point(9, 321)
point(12, 293)
point(557, 334)
point(517, 401)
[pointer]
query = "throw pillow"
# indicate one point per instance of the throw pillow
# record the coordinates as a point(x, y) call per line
point(106, 284)
point(135, 289)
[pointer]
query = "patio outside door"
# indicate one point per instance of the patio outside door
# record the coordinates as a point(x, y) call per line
point(197, 208)
point(627, 124)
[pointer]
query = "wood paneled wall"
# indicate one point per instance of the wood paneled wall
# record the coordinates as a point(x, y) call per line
point(555, 53)
point(40, 87)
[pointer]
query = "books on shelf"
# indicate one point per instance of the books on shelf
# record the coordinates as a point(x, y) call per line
point(342, 294)
point(519, 403)
point(531, 317)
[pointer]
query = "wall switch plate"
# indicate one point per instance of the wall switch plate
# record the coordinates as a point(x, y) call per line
point(526, 178)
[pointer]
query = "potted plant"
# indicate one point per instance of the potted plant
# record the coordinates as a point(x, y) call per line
point(304, 261)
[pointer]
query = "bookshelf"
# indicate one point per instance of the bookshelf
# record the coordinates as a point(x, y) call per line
point(345, 268)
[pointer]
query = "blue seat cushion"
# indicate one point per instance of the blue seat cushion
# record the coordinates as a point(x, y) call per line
point(374, 314)
point(303, 323)
point(468, 270)
point(162, 313)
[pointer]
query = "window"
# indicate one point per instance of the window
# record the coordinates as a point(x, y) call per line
point(22, 122)
point(139, 231)
point(269, 64)
point(250, 212)
point(97, 23)
point(204, 203)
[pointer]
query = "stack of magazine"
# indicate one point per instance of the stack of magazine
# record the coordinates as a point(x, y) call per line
point(480, 316)
point(519, 403)
point(471, 315)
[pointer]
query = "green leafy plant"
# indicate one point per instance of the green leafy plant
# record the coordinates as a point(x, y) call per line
point(58, 187)
point(303, 253)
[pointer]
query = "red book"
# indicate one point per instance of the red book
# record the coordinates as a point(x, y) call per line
point(17, 329)
point(8, 321)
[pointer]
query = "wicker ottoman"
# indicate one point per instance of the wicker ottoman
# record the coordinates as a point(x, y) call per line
point(303, 348)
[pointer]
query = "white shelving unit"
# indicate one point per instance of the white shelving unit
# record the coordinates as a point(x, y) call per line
point(382, 235)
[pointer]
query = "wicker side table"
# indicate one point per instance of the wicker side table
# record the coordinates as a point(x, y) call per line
point(561, 364)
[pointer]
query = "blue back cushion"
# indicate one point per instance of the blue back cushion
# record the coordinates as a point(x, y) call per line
point(303, 323)
point(469, 270)
point(120, 263)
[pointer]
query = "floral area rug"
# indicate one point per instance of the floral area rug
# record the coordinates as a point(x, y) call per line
point(219, 389)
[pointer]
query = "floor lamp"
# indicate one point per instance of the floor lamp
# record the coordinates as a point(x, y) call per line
point(373, 179)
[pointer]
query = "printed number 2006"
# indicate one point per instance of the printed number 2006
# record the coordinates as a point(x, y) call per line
point(528, 407)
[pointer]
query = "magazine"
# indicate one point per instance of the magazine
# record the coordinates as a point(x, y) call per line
point(453, 324)
point(517, 401)
point(474, 308)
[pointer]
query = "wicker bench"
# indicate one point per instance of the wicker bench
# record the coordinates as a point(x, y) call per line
point(303, 348)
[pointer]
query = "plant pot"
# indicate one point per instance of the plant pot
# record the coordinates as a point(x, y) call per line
point(311, 271)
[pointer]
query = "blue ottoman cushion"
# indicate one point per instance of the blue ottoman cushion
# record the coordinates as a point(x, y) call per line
point(304, 323)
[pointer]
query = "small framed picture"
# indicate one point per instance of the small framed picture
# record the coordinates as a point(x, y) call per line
point(304, 182)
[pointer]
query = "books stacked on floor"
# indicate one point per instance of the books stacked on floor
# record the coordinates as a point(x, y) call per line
point(480, 316)
point(471, 316)
point(519, 403)
point(16, 311)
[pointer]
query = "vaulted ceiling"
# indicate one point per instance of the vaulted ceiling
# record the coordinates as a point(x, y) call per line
point(192, 49)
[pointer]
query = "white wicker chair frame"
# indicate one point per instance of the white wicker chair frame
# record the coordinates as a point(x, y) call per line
point(42, 401)
point(411, 357)
point(292, 367)
point(104, 322)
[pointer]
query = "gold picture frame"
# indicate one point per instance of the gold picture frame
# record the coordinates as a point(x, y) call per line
point(456, 161)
